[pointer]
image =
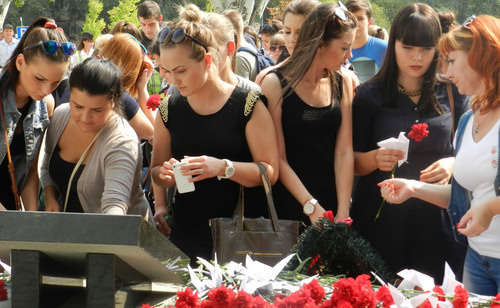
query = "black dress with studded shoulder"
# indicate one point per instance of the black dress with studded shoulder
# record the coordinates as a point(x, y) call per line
point(220, 135)
point(310, 135)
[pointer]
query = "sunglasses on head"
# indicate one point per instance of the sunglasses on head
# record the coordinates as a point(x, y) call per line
point(469, 20)
point(340, 11)
point(135, 39)
point(50, 47)
point(178, 35)
point(274, 47)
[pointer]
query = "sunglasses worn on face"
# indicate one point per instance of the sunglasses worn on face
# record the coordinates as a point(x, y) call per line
point(469, 20)
point(50, 47)
point(274, 47)
point(178, 35)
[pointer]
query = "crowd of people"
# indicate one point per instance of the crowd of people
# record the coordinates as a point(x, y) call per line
point(310, 97)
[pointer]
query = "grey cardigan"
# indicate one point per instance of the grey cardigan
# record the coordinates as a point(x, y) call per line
point(111, 180)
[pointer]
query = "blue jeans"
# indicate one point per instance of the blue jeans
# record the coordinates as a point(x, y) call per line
point(481, 274)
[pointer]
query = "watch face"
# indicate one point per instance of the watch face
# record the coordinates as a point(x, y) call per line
point(308, 208)
point(229, 171)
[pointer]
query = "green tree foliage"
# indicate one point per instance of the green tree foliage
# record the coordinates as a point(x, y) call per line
point(379, 16)
point(461, 8)
point(125, 10)
point(93, 23)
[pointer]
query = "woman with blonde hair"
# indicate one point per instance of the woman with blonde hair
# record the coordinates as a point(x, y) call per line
point(310, 102)
point(472, 199)
point(216, 129)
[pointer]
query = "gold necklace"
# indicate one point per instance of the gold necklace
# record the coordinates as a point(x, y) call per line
point(403, 91)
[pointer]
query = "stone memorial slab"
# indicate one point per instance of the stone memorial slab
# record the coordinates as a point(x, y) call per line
point(99, 253)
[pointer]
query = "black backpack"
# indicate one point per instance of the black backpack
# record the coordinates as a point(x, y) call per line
point(263, 61)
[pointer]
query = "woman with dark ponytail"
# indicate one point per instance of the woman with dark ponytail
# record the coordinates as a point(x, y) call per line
point(34, 70)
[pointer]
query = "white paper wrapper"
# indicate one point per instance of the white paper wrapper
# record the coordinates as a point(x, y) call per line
point(401, 143)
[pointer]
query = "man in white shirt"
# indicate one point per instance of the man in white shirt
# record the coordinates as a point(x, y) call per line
point(8, 44)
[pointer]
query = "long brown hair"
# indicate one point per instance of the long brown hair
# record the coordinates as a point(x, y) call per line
point(321, 26)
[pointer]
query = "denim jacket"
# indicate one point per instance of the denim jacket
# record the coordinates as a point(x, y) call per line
point(460, 197)
point(34, 126)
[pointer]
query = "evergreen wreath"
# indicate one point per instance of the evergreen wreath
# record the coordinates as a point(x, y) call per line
point(329, 248)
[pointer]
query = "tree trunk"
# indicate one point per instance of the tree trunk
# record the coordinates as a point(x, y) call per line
point(251, 10)
point(4, 8)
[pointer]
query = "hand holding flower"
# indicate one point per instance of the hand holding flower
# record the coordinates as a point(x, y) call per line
point(386, 159)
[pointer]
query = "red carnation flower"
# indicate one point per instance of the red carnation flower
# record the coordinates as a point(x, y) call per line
point(187, 299)
point(153, 101)
point(439, 292)
point(3, 292)
point(425, 304)
point(317, 291)
point(221, 297)
point(384, 297)
point(495, 301)
point(418, 132)
point(328, 215)
point(460, 298)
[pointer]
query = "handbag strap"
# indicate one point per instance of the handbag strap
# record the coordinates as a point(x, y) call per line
point(80, 161)
point(240, 208)
point(15, 191)
point(452, 107)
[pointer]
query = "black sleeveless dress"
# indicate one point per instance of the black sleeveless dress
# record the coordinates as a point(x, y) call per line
point(220, 135)
point(310, 134)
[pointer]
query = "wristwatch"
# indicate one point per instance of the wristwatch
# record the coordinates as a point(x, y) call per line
point(229, 171)
point(309, 206)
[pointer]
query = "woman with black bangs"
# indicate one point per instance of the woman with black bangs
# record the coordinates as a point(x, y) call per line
point(404, 93)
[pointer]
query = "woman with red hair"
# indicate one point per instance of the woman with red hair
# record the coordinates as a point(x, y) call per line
point(472, 199)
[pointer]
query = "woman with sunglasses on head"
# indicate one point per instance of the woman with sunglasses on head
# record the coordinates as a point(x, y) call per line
point(34, 70)
point(293, 18)
point(217, 129)
point(472, 199)
point(224, 35)
point(404, 93)
point(310, 102)
point(92, 158)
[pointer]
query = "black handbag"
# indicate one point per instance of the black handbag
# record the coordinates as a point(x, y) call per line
point(265, 240)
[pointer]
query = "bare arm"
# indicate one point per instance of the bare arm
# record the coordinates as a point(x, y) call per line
point(142, 90)
point(29, 194)
point(161, 170)
point(398, 191)
point(344, 157)
point(142, 126)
